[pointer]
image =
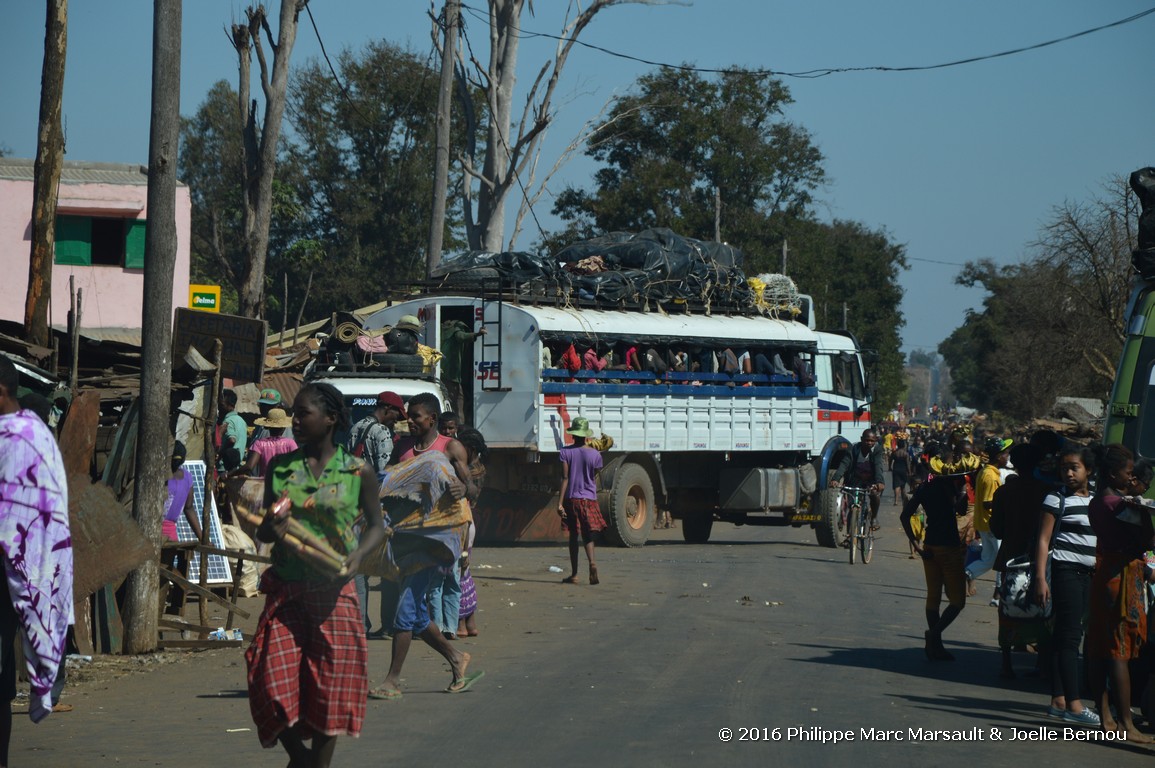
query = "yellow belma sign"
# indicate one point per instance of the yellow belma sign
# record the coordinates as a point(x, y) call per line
point(205, 297)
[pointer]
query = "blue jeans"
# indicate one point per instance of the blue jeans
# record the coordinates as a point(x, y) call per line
point(445, 600)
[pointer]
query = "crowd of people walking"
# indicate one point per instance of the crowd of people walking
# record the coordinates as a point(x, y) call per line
point(1069, 537)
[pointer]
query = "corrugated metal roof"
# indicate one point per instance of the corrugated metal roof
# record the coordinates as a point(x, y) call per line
point(129, 336)
point(74, 172)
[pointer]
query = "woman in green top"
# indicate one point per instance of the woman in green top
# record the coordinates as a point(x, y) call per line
point(307, 662)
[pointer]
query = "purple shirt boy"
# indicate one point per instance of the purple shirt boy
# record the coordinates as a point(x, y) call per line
point(584, 463)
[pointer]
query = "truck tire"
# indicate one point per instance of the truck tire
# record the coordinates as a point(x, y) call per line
point(631, 513)
point(826, 504)
point(391, 362)
point(696, 527)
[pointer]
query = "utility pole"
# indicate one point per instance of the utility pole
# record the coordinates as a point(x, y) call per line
point(785, 249)
point(444, 120)
point(154, 442)
point(46, 174)
point(717, 215)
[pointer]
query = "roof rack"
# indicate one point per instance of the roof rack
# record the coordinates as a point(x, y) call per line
point(537, 294)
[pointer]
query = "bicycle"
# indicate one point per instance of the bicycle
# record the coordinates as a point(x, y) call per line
point(856, 520)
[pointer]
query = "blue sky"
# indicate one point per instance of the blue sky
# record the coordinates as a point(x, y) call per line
point(957, 164)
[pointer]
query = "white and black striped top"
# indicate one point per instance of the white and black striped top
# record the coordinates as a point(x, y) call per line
point(1075, 541)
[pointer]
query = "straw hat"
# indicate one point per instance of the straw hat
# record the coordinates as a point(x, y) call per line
point(277, 419)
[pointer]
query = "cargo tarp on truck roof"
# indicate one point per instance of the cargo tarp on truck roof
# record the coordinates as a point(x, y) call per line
point(655, 265)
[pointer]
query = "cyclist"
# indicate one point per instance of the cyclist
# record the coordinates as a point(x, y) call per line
point(864, 467)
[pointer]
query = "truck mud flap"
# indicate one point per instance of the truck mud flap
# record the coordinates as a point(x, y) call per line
point(506, 517)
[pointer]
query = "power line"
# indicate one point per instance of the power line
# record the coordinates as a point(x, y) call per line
point(824, 71)
point(936, 261)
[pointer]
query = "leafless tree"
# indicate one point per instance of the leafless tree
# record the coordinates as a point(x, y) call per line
point(49, 161)
point(260, 140)
point(509, 153)
point(1089, 246)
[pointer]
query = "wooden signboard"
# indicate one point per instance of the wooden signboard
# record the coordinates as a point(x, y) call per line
point(243, 340)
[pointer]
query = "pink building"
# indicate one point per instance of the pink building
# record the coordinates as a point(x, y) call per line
point(100, 220)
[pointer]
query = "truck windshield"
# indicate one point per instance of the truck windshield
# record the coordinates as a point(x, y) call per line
point(847, 375)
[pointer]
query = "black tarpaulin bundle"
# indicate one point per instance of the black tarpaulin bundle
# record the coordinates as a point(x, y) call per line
point(654, 265)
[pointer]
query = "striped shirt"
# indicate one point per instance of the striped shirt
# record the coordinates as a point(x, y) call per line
point(1074, 543)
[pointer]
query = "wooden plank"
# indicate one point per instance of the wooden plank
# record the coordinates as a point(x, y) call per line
point(82, 629)
point(78, 435)
point(200, 643)
point(234, 554)
point(181, 581)
point(184, 626)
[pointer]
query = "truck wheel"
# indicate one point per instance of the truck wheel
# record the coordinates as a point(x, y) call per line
point(391, 362)
point(826, 504)
point(696, 527)
point(631, 507)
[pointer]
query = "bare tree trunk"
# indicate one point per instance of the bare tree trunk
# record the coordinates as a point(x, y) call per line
point(49, 160)
point(260, 151)
point(154, 443)
point(504, 41)
point(506, 155)
point(444, 115)
point(301, 310)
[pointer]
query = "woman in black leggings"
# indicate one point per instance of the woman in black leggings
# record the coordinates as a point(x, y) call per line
point(1065, 533)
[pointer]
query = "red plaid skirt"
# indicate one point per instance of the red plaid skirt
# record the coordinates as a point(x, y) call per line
point(308, 660)
point(584, 516)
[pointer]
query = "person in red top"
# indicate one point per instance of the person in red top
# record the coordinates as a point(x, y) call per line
point(412, 615)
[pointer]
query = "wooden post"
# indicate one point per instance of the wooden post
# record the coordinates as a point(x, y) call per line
point(74, 366)
point(210, 479)
point(154, 444)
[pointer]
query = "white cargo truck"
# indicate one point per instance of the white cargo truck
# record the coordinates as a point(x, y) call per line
point(705, 445)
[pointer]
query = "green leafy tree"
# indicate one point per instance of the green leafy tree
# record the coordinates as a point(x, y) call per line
point(361, 165)
point(210, 164)
point(845, 264)
point(667, 146)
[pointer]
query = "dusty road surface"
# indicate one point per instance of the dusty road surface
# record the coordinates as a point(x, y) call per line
point(759, 647)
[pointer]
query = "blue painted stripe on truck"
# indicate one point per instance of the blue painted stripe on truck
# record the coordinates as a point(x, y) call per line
point(661, 390)
point(830, 406)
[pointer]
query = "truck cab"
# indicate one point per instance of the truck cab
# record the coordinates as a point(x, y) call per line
point(1131, 409)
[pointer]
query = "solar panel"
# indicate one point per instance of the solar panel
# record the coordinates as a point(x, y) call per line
point(219, 571)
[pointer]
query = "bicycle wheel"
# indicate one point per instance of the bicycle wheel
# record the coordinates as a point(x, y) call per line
point(866, 540)
point(852, 529)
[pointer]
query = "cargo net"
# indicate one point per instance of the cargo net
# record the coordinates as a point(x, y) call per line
point(653, 269)
point(776, 295)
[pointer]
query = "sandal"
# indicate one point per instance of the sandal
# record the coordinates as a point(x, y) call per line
point(570, 580)
point(385, 694)
point(463, 684)
point(594, 575)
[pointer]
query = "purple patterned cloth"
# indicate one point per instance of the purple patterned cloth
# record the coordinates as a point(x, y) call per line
point(468, 595)
point(36, 547)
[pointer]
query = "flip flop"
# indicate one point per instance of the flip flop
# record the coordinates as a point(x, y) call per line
point(570, 580)
point(465, 683)
point(62, 708)
point(385, 694)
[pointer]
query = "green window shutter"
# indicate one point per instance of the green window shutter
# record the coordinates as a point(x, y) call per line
point(134, 244)
point(74, 240)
